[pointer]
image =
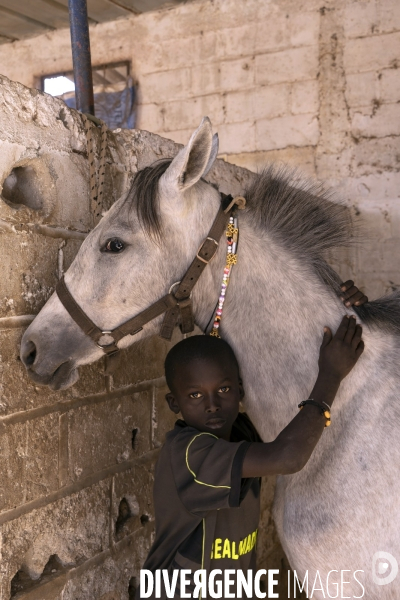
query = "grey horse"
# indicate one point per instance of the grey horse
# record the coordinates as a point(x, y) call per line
point(344, 507)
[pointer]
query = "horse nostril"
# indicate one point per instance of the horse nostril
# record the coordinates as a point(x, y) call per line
point(29, 354)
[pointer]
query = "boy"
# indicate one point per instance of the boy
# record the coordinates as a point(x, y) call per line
point(206, 489)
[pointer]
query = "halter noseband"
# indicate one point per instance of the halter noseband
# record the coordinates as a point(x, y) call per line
point(173, 304)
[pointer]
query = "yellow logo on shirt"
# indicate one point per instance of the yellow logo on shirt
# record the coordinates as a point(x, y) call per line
point(229, 549)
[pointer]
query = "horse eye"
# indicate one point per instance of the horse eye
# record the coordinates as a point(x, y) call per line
point(114, 245)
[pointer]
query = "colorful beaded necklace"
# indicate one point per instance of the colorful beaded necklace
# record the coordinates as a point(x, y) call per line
point(232, 234)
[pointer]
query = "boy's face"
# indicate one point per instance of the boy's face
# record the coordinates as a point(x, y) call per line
point(207, 392)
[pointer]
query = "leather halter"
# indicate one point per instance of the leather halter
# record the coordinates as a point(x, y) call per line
point(173, 304)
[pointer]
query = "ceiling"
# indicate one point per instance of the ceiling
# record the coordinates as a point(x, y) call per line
point(21, 19)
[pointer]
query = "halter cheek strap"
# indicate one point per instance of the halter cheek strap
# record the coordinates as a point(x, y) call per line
point(174, 304)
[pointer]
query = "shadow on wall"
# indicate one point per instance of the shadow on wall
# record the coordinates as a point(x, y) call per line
point(132, 588)
point(22, 582)
point(55, 573)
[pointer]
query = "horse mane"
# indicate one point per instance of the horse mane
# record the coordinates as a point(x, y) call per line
point(144, 198)
point(305, 218)
point(300, 215)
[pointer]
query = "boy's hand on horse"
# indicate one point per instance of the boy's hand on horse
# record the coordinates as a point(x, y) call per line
point(291, 450)
point(340, 352)
point(351, 295)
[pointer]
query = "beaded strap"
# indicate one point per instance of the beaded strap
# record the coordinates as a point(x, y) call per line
point(232, 233)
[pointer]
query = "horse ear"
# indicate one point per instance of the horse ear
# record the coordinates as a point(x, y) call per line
point(213, 155)
point(192, 161)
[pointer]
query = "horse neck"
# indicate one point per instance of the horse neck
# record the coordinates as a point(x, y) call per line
point(274, 314)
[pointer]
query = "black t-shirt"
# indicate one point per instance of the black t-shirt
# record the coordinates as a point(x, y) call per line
point(206, 514)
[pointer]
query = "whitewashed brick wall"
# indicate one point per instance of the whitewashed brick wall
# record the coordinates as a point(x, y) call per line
point(262, 71)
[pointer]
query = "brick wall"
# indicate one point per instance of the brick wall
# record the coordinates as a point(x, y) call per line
point(67, 458)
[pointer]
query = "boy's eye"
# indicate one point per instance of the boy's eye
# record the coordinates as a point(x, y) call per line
point(195, 395)
point(224, 388)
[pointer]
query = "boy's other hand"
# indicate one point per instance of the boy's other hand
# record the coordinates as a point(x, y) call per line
point(351, 295)
point(340, 352)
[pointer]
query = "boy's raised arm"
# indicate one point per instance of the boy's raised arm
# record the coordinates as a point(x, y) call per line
point(290, 451)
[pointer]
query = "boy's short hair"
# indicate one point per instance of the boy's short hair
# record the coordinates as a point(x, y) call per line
point(196, 347)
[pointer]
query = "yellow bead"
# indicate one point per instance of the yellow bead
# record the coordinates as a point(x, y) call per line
point(327, 414)
point(327, 423)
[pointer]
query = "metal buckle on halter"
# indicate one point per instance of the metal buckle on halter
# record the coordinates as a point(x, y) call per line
point(173, 286)
point(102, 346)
point(213, 254)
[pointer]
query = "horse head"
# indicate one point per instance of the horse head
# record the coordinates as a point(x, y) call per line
point(141, 246)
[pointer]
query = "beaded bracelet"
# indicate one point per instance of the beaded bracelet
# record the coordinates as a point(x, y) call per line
point(325, 412)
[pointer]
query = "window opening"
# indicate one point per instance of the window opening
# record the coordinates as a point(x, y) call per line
point(114, 93)
point(56, 86)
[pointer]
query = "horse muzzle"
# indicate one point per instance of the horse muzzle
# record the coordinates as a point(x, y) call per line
point(56, 374)
point(58, 377)
point(53, 347)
